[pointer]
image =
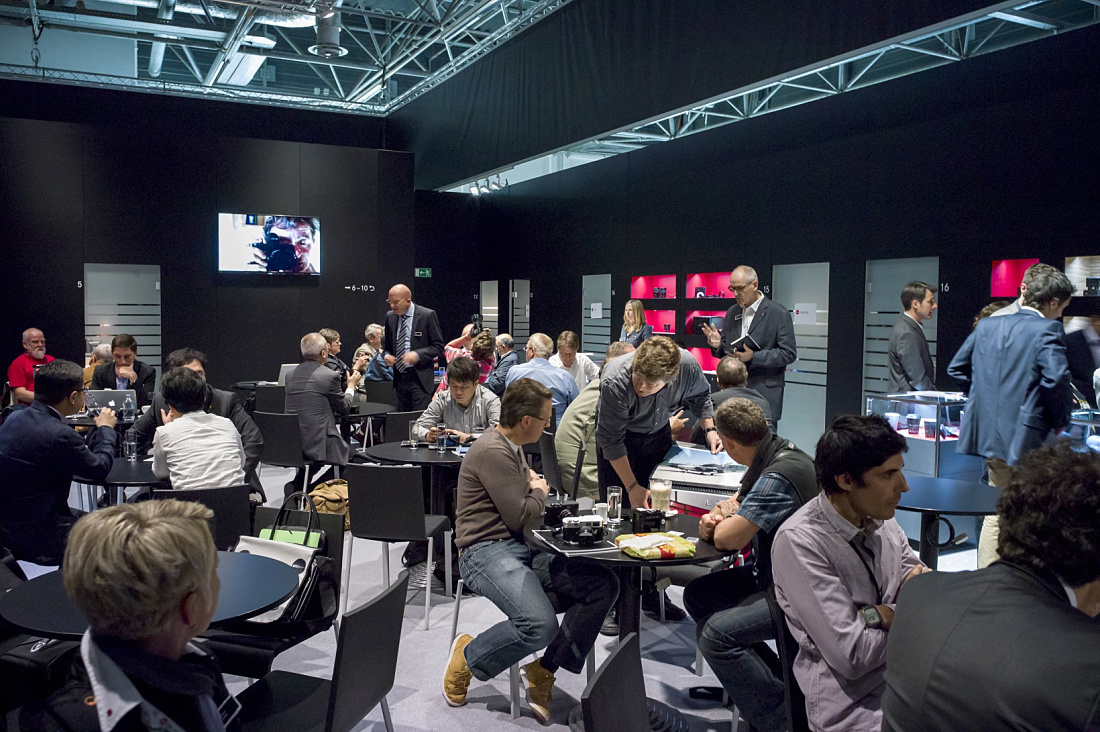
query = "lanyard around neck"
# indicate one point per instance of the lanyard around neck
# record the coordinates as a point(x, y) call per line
point(870, 571)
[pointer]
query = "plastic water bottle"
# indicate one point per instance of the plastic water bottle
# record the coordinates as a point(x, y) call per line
point(128, 408)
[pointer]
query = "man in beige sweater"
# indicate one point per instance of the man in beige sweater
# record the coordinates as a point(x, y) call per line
point(497, 495)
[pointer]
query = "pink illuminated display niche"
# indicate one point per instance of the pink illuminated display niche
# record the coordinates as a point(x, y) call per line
point(641, 288)
point(663, 321)
point(708, 285)
point(1007, 276)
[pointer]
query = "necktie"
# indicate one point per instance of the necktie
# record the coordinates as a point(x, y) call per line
point(402, 338)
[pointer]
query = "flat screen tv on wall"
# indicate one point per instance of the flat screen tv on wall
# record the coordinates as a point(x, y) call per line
point(268, 244)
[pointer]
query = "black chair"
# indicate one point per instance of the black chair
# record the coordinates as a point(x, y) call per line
point(793, 699)
point(366, 664)
point(582, 452)
point(282, 442)
point(270, 398)
point(379, 391)
point(239, 650)
point(397, 425)
point(386, 504)
point(231, 507)
point(550, 468)
point(614, 700)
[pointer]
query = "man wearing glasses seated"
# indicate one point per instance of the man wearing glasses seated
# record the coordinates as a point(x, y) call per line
point(497, 496)
point(465, 407)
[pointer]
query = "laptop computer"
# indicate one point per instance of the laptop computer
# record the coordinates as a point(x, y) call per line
point(284, 371)
point(113, 398)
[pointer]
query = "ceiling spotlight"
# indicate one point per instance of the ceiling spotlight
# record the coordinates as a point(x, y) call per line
point(495, 184)
point(474, 190)
point(328, 14)
point(484, 187)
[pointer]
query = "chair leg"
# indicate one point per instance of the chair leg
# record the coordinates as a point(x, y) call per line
point(447, 566)
point(386, 715)
point(386, 563)
point(458, 606)
point(590, 663)
point(661, 599)
point(428, 582)
point(698, 661)
point(305, 479)
point(345, 579)
point(513, 688)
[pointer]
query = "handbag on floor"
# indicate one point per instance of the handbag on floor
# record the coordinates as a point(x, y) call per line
point(332, 497)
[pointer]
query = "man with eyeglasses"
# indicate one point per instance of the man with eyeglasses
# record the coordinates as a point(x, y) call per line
point(413, 341)
point(772, 330)
point(21, 371)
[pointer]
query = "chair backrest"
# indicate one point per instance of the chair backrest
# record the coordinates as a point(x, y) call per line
point(582, 451)
point(793, 699)
point(366, 657)
point(282, 439)
point(386, 502)
point(550, 468)
point(270, 398)
point(379, 391)
point(331, 523)
point(232, 513)
point(397, 425)
point(614, 700)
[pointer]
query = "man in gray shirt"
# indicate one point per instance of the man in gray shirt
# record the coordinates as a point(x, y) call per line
point(465, 407)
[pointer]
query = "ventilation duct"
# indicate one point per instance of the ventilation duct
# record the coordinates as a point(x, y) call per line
point(328, 37)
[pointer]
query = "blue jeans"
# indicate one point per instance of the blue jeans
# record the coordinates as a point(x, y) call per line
point(518, 583)
point(733, 623)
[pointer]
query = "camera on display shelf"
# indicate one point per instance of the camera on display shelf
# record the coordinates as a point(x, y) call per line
point(582, 530)
point(646, 520)
point(556, 511)
point(660, 293)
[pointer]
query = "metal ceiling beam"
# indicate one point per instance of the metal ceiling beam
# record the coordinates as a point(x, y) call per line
point(229, 46)
point(74, 19)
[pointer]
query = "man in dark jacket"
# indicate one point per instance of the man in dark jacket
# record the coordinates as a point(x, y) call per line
point(908, 358)
point(219, 402)
point(1015, 645)
point(39, 455)
point(506, 359)
point(729, 606)
point(126, 372)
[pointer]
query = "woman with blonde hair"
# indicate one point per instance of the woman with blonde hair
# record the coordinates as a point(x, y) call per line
point(634, 329)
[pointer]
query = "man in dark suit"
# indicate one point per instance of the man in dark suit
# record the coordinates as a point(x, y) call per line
point(39, 455)
point(1082, 347)
point(1013, 369)
point(732, 377)
point(909, 362)
point(770, 325)
point(313, 393)
point(1015, 645)
point(219, 402)
point(413, 341)
point(506, 359)
point(126, 372)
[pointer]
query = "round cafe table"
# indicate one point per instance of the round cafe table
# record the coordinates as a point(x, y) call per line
point(932, 497)
point(395, 453)
point(124, 474)
point(250, 585)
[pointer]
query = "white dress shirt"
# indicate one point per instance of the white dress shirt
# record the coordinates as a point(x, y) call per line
point(582, 370)
point(199, 450)
point(747, 315)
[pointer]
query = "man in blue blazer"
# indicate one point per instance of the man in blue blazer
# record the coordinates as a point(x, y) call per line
point(39, 455)
point(412, 342)
point(506, 359)
point(1014, 371)
point(770, 325)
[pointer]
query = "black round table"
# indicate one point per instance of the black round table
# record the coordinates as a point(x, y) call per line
point(932, 497)
point(661, 716)
point(365, 410)
point(250, 586)
point(126, 474)
point(394, 452)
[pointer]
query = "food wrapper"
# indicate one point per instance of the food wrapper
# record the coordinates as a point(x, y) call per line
point(658, 545)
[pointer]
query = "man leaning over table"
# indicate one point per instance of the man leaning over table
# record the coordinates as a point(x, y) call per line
point(838, 564)
point(497, 495)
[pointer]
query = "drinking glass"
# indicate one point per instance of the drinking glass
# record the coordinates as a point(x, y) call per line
point(614, 504)
point(129, 446)
point(441, 437)
point(413, 442)
point(660, 494)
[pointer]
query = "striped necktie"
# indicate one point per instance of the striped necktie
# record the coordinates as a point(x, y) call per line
point(402, 338)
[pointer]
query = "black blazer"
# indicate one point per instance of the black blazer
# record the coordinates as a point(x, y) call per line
point(426, 340)
point(104, 378)
point(1081, 363)
point(999, 648)
point(499, 375)
point(908, 359)
point(773, 329)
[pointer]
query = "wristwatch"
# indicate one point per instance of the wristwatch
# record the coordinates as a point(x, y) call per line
point(871, 616)
point(710, 429)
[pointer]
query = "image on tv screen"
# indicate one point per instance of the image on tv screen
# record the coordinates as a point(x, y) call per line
point(1084, 273)
point(269, 244)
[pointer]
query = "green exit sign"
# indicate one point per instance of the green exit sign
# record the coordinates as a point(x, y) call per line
point(423, 271)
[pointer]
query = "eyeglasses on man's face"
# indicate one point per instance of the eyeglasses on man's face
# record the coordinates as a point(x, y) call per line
point(741, 288)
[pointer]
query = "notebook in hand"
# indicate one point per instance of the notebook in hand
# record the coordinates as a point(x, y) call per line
point(745, 340)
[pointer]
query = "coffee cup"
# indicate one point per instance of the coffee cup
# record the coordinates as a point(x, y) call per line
point(893, 418)
point(660, 494)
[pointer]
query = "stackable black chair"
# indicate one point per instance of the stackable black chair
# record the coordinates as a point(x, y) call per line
point(386, 504)
point(793, 699)
point(582, 451)
point(270, 398)
point(232, 511)
point(283, 443)
point(397, 425)
point(379, 391)
point(614, 699)
point(550, 468)
point(366, 664)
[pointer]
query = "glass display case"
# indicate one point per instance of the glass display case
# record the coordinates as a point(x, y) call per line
point(1084, 428)
point(929, 421)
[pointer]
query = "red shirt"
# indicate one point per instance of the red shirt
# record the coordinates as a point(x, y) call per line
point(21, 371)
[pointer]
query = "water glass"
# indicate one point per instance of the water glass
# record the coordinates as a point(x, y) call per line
point(413, 442)
point(129, 447)
point(441, 437)
point(614, 504)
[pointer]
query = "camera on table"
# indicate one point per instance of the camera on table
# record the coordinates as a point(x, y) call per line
point(582, 530)
point(280, 254)
point(646, 520)
point(556, 511)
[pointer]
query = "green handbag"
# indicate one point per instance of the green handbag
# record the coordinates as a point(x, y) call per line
point(288, 534)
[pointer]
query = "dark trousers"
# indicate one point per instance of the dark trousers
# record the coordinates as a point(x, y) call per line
point(410, 392)
point(644, 451)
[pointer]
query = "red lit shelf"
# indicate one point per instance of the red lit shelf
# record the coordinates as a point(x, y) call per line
point(707, 285)
point(641, 288)
point(1007, 276)
point(663, 321)
point(705, 358)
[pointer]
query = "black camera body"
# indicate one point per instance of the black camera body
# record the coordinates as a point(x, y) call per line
point(280, 255)
point(646, 520)
point(556, 511)
point(582, 530)
point(660, 293)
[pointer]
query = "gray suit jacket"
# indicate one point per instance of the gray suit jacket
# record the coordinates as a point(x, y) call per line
point(313, 393)
point(1014, 370)
point(773, 329)
point(908, 359)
